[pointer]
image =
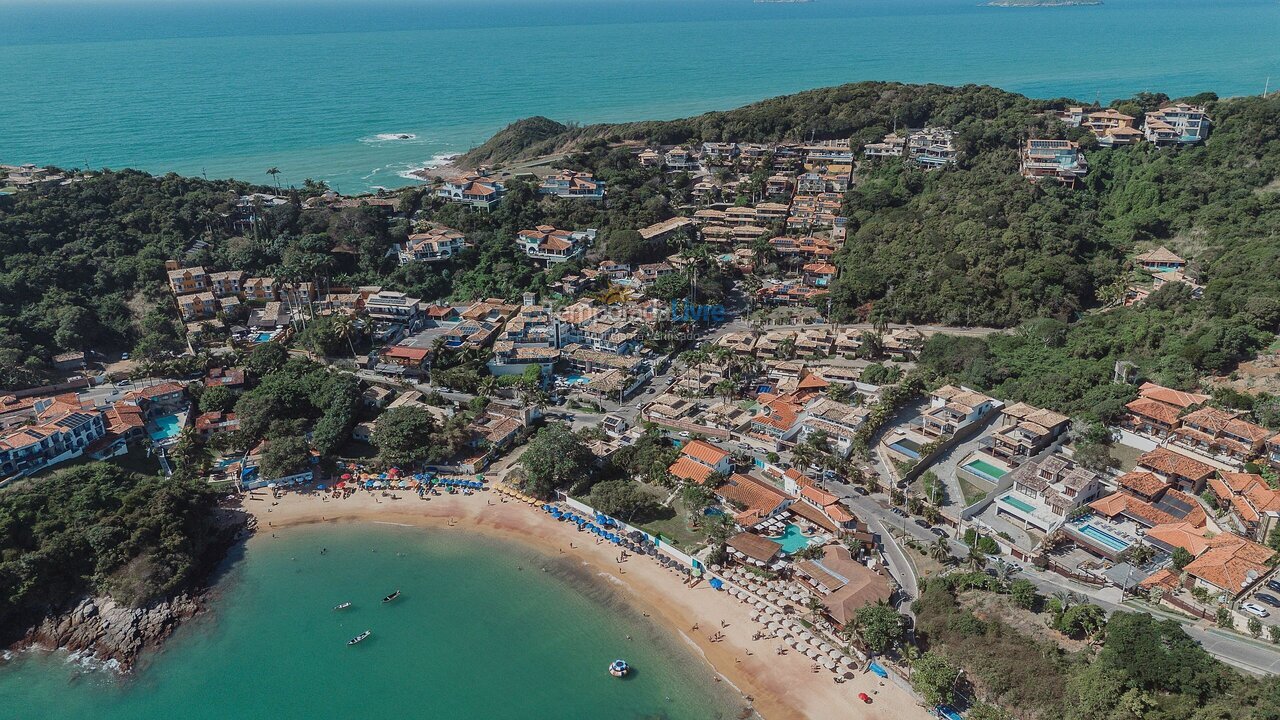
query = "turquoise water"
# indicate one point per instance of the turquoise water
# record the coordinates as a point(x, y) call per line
point(792, 539)
point(1106, 538)
point(167, 426)
point(472, 636)
point(235, 87)
point(1011, 500)
point(985, 469)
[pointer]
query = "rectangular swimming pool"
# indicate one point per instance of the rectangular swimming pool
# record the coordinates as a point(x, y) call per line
point(906, 447)
point(984, 469)
point(1011, 500)
point(1102, 536)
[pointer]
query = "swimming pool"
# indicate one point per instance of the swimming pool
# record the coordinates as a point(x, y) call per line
point(263, 337)
point(984, 469)
point(1103, 537)
point(576, 380)
point(1011, 500)
point(792, 540)
point(907, 447)
point(167, 426)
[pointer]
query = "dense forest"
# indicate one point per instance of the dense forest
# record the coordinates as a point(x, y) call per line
point(97, 528)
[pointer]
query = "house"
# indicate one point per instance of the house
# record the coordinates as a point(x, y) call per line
point(1160, 260)
point(839, 422)
point(1157, 410)
point(932, 147)
point(698, 460)
point(125, 419)
point(779, 186)
point(69, 361)
point(952, 409)
point(166, 398)
point(550, 245)
point(262, 289)
point(1072, 116)
point(229, 283)
point(1231, 565)
point(530, 337)
point(1186, 473)
point(1273, 452)
point(1250, 500)
point(214, 423)
point(231, 378)
point(476, 190)
point(751, 499)
point(198, 305)
point(649, 158)
point(598, 327)
point(1045, 494)
point(819, 274)
point(1177, 276)
point(1175, 124)
point(375, 397)
point(719, 153)
point(843, 584)
point(1024, 431)
point(434, 244)
point(188, 280)
point(665, 230)
point(777, 419)
point(1112, 127)
point(394, 307)
point(893, 145)
point(63, 430)
point(679, 159)
point(1220, 434)
point(571, 184)
point(1059, 160)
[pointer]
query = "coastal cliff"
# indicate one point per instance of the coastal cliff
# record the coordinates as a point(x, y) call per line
point(110, 632)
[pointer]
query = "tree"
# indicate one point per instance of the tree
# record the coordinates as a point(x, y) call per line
point(218, 398)
point(1255, 627)
point(1024, 594)
point(621, 498)
point(274, 172)
point(1095, 456)
point(935, 677)
point(1180, 558)
point(284, 456)
point(1086, 619)
point(1224, 619)
point(266, 358)
point(403, 435)
point(879, 626)
point(977, 559)
point(1273, 632)
point(554, 459)
point(940, 550)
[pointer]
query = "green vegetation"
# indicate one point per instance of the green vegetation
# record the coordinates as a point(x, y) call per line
point(99, 529)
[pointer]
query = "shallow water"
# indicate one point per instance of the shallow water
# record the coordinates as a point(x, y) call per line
point(480, 631)
point(315, 87)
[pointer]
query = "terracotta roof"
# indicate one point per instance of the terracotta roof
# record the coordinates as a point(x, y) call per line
point(850, 584)
point(1154, 409)
point(1165, 578)
point(1223, 421)
point(687, 469)
point(1181, 534)
point(1167, 462)
point(1143, 483)
point(704, 452)
point(1232, 563)
point(1161, 254)
point(404, 352)
point(155, 391)
point(759, 497)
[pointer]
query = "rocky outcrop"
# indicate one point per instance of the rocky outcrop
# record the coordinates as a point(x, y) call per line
point(108, 631)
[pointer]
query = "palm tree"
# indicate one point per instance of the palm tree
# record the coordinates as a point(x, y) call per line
point(977, 559)
point(274, 172)
point(813, 605)
point(940, 550)
point(726, 389)
point(488, 386)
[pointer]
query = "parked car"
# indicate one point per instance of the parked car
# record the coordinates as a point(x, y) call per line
point(744, 446)
point(1274, 585)
point(938, 531)
point(124, 383)
point(923, 523)
point(649, 391)
point(684, 433)
point(897, 511)
point(1253, 609)
point(1268, 599)
point(860, 490)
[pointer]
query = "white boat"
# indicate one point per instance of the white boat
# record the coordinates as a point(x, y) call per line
point(360, 637)
point(619, 668)
point(342, 606)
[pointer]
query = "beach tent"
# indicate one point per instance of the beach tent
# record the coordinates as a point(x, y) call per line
point(716, 583)
point(875, 668)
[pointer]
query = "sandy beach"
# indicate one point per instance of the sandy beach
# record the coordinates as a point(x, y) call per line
point(781, 686)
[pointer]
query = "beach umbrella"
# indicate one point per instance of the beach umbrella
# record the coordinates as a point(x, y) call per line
point(271, 486)
point(794, 643)
point(835, 654)
point(346, 476)
point(807, 635)
point(810, 653)
point(779, 633)
point(760, 605)
point(824, 647)
point(829, 664)
point(319, 487)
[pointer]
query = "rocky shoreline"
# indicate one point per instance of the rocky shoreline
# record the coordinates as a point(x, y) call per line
point(108, 634)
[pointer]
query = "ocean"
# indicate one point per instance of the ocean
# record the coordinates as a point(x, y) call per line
point(322, 89)
point(480, 631)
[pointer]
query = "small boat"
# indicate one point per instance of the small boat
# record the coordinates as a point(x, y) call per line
point(360, 637)
point(342, 606)
point(619, 668)
point(391, 597)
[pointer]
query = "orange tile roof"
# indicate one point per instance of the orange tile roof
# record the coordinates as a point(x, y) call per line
point(687, 469)
point(1154, 409)
point(1171, 397)
point(1168, 462)
point(1143, 483)
point(704, 452)
point(758, 496)
point(1232, 562)
point(1221, 420)
point(1165, 579)
point(1181, 534)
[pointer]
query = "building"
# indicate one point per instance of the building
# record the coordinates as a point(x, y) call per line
point(1273, 452)
point(666, 229)
point(1045, 494)
point(1059, 160)
point(550, 245)
point(530, 337)
point(951, 409)
point(1160, 260)
point(892, 146)
point(215, 423)
point(1176, 124)
point(262, 289)
point(1158, 410)
point(394, 307)
point(932, 147)
point(1250, 500)
point(749, 499)
point(649, 158)
point(226, 284)
point(435, 244)
point(698, 460)
point(1112, 127)
point(1231, 565)
point(595, 326)
point(477, 190)
point(843, 584)
point(679, 159)
point(198, 306)
point(188, 280)
point(166, 398)
point(1024, 431)
point(777, 419)
point(837, 421)
point(753, 549)
point(231, 378)
point(1220, 434)
point(819, 274)
point(63, 430)
point(1186, 473)
point(574, 185)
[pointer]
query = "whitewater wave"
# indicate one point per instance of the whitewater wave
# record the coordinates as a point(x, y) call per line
point(436, 161)
point(389, 137)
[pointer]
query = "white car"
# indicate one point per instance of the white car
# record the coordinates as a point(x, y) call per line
point(684, 434)
point(1254, 609)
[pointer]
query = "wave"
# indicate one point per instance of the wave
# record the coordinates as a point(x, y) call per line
point(436, 161)
point(389, 137)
